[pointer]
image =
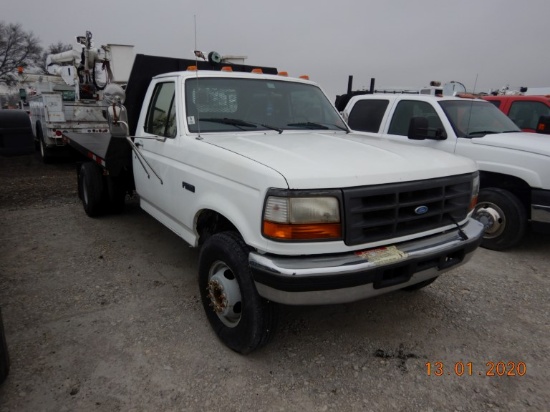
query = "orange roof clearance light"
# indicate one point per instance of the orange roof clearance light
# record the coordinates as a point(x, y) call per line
point(191, 68)
point(20, 69)
point(304, 76)
point(227, 69)
point(285, 74)
point(258, 71)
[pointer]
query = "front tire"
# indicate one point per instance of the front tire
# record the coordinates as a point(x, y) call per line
point(240, 317)
point(503, 216)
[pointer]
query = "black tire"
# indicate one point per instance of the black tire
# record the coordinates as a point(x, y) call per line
point(420, 285)
point(45, 152)
point(115, 197)
point(90, 188)
point(504, 217)
point(4, 355)
point(240, 317)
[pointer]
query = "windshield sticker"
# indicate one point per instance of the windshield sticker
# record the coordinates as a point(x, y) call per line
point(270, 86)
point(191, 120)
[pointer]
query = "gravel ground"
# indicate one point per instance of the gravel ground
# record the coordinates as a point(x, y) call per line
point(104, 314)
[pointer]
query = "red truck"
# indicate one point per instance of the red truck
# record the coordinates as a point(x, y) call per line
point(525, 111)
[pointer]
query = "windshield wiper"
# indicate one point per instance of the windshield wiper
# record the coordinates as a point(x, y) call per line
point(312, 125)
point(482, 132)
point(239, 123)
point(309, 125)
point(225, 120)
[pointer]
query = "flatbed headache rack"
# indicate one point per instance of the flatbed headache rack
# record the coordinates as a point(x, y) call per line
point(342, 100)
point(115, 153)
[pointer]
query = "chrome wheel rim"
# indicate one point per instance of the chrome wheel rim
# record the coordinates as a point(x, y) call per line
point(492, 217)
point(224, 294)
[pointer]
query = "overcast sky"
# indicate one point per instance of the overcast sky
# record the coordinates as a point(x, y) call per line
point(401, 43)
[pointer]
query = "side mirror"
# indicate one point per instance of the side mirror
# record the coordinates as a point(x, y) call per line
point(118, 120)
point(543, 125)
point(419, 130)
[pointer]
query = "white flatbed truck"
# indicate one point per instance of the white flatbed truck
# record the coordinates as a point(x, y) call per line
point(288, 207)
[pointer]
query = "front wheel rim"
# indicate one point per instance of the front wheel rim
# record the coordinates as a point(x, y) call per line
point(224, 294)
point(492, 217)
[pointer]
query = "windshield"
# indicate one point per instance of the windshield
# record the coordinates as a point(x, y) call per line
point(471, 118)
point(228, 104)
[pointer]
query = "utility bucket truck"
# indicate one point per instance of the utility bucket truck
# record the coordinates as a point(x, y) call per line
point(70, 98)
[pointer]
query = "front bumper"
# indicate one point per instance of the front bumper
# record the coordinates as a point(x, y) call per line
point(316, 280)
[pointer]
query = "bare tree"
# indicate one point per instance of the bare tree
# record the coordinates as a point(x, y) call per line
point(18, 48)
point(53, 48)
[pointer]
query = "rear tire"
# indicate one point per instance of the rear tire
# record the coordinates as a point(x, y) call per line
point(503, 216)
point(240, 317)
point(91, 188)
point(115, 199)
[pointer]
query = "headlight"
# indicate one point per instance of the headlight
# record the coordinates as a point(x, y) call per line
point(475, 193)
point(302, 218)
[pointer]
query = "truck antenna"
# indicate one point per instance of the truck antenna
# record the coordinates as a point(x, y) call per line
point(197, 77)
point(470, 113)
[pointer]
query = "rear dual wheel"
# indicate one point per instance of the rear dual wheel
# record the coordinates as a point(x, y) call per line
point(100, 194)
point(91, 188)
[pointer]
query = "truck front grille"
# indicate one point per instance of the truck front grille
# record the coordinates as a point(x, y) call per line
point(388, 211)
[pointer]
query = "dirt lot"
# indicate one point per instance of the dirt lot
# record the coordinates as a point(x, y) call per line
point(104, 314)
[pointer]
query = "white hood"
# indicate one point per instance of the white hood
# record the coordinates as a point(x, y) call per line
point(334, 160)
point(525, 142)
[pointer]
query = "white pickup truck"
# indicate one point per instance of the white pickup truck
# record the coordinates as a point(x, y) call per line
point(514, 166)
point(287, 206)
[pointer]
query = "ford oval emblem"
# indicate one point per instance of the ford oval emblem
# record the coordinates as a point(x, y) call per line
point(420, 210)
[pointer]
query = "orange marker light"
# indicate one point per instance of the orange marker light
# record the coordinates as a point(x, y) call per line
point(258, 71)
point(304, 76)
point(285, 74)
point(192, 68)
point(284, 231)
point(227, 69)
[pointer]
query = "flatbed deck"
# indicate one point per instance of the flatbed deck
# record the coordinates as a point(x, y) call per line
point(113, 153)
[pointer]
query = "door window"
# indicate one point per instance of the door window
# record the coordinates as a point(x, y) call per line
point(161, 116)
point(406, 110)
point(526, 114)
point(366, 115)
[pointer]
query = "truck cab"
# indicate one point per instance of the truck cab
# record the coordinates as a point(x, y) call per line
point(514, 166)
point(525, 111)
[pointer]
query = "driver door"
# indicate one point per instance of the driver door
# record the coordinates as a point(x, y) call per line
point(157, 143)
